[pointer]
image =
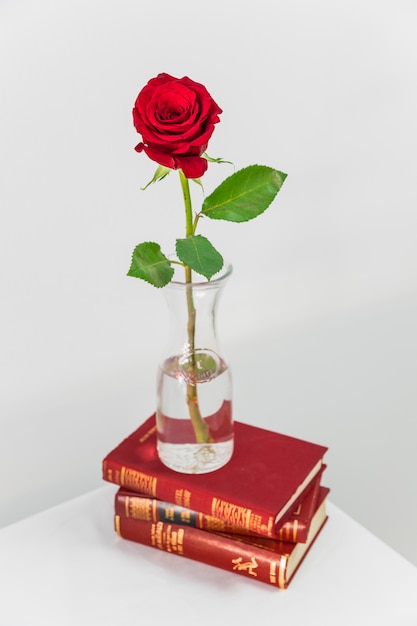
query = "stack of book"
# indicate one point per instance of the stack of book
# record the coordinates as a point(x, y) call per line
point(257, 516)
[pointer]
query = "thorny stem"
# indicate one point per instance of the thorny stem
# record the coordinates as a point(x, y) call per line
point(201, 429)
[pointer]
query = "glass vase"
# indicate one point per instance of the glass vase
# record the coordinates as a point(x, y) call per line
point(194, 388)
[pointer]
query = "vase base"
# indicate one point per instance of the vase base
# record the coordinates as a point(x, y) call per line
point(195, 458)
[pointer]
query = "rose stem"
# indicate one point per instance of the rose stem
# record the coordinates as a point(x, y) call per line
point(201, 429)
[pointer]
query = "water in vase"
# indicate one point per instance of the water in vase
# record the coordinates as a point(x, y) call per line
point(206, 376)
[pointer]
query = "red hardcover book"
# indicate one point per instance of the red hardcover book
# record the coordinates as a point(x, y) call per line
point(257, 490)
point(136, 506)
point(265, 560)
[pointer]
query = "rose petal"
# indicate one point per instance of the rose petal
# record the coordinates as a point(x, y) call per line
point(176, 118)
point(160, 157)
point(192, 167)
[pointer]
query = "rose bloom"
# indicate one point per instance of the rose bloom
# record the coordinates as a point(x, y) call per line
point(176, 118)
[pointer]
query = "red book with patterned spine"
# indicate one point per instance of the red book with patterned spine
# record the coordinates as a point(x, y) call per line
point(258, 489)
point(135, 506)
point(265, 560)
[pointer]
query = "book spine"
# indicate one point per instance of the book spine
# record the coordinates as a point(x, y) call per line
point(212, 549)
point(297, 528)
point(294, 531)
point(260, 522)
point(135, 506)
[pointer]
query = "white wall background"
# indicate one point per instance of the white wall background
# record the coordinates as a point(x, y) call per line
point(319, 319)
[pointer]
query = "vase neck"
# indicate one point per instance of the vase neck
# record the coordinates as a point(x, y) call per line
point(192, 310)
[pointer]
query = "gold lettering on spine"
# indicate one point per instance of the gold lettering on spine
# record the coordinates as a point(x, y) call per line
point(144, 483)
point(183, 498)
point(158, 536)
point(185, 517)
point(220, 526)
point(270, 526)
point(187, 499)
point(174, 541)
point(168, 539)
point(273, 572)
point(237, 517)
point(180, 541)
point(232, 513)
point(140, 508)
point(117, 524)
point(127, 506)
point(108, 471)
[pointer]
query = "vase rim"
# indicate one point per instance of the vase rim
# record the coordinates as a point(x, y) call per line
point(221, 276)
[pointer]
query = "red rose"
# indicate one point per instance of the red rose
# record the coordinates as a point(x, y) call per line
point(176, 118)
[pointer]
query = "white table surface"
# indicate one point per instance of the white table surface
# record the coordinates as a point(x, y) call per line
point(65, 566)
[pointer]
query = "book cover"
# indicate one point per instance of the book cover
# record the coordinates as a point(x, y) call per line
point(258, 489)
point(266, 560)
point(136, 506)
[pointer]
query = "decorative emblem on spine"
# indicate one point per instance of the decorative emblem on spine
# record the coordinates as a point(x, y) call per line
point(248, 566)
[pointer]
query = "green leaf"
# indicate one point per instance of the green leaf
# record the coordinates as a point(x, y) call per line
point(198, 253)
point(218, 160)
point(198, 182)
point(244, 195)
point(160, 173)
point(150, 264)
